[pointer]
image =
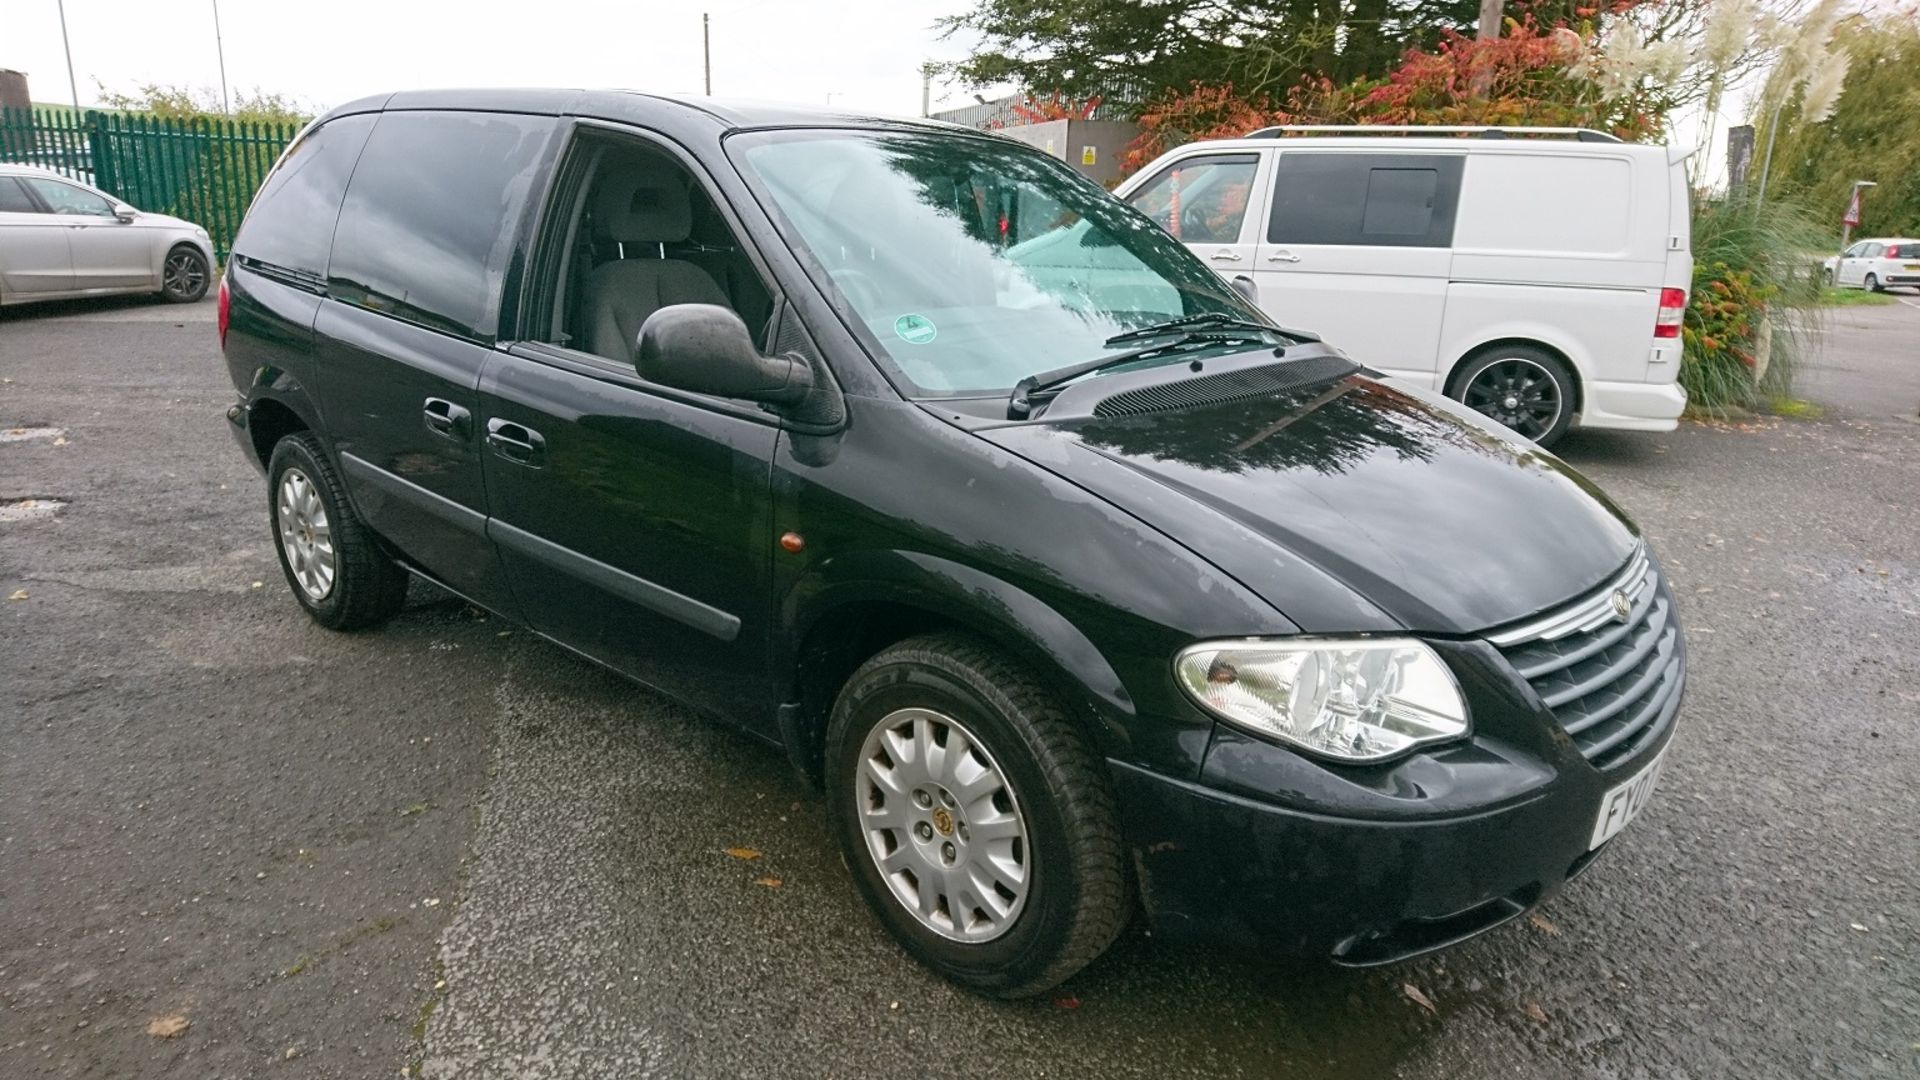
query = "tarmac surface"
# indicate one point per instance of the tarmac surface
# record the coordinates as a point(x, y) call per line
point(445, 848)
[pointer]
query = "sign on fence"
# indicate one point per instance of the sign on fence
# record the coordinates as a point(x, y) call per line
point(204, 170)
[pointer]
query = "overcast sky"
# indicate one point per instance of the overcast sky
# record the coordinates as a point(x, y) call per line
point(866, 54)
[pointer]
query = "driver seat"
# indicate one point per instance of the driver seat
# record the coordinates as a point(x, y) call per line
point(639, 208)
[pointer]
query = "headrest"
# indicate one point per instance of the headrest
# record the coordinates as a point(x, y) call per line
point(643, 209)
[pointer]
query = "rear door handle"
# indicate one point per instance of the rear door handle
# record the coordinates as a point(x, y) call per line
point(516, 442)
point(443, 417)
point(1283, 256)
point(1225, 255)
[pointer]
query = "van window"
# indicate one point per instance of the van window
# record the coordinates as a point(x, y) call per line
point(291, 221)
point(1200, 200)
point(1517, 202)
point(1379, 200)
point(431, 214)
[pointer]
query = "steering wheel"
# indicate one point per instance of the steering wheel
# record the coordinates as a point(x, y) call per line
point(1194, 226)
point(859, 288)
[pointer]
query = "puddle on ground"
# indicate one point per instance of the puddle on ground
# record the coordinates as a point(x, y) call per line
point(30, 509)
point(22, 434)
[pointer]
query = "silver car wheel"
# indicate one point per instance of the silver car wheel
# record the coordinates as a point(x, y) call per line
point(184, 274)
point(943, 826)
point(306, 540)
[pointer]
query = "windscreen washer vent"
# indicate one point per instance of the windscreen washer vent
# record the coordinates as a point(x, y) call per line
point(1245, 384)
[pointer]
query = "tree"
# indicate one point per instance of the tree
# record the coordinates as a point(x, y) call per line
point(1871, 131)
point(187, 103)
point(1086, 47)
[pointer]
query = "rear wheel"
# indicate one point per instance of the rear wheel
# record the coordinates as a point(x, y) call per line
point(975, 818)
point(184, 276)
point(1525, 388)
point(1873, 283)
point(331, 561)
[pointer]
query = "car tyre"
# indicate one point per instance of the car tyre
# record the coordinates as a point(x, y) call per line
point(185, 275)
point(1075, 895)
point(329, 557)
point(1524, 388)
point(1873, 283)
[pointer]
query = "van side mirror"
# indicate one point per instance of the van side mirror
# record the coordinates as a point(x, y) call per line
point(706, 348)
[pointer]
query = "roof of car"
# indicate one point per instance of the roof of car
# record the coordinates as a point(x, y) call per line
point(727, 113)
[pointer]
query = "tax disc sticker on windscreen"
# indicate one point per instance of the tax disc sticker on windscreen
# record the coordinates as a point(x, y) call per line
point(914, 329)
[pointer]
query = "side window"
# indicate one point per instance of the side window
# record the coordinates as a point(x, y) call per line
point(634, 231)
point(290, 225)
point(430, 216)
point(14, 198)
point(1855, 251)
point(1368, 200)
point(1200, 200)
point(1872, 251)
point(64, 198)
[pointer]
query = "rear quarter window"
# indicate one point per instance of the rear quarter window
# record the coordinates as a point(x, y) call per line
point(431, 214)
point(290, 225)
point(1364, 200)
point(1563, 204)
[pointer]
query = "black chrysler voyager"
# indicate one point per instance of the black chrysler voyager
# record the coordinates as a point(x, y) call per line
point(1077, 584)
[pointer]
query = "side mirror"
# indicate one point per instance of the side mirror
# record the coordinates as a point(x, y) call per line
point(707, 349)
point(124, 212)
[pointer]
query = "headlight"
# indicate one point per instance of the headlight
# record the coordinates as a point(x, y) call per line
point(1355, 700)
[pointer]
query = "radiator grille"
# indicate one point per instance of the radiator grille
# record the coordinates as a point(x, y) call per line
point(1613, 683)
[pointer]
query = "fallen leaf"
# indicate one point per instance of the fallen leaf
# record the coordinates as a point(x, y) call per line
point(59, 440)
point(1414, 995)
point(769, 882)
point(167, 1027)
point(1067, 1002)
point(18, 594)
point(1535, 1013)
point(1543, 924)
point(257, 585)
point(742, 852)
point(1857, 926)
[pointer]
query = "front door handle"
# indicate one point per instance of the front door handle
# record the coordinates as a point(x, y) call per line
point(443, 417)
point(516, 442)
point(1225, 255)
point(1283, 256)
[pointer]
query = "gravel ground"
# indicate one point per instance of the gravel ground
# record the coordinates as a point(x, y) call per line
point(446, 847)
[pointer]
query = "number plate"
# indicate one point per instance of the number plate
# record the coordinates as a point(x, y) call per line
point(1624, 801)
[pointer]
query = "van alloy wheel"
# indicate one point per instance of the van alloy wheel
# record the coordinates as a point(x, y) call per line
point(305, 536)
point(942, 825)
point(1519, 394)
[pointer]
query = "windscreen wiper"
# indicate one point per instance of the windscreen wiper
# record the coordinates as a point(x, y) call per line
point(1208, 321)
point(1021, 404)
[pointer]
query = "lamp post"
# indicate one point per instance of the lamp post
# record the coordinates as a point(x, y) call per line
point(1852, 216)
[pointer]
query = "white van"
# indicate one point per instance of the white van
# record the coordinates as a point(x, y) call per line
point(1540, 279)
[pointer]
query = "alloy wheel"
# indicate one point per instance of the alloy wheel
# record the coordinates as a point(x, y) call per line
point(1518, 393)
point(306, 538)
point(941, 822)
point(184, 274)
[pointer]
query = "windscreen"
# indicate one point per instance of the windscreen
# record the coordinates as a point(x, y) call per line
point(973, 262)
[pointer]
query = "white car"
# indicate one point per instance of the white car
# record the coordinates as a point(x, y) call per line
point(1876, 263)
point(60, 238)
point(1540, 280)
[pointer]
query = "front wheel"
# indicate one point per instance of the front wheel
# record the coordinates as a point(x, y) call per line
point(329, 556)
point(978, 823)
point(184, 276)
point(1525, 388)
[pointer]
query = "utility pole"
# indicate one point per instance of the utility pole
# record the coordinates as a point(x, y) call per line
point(220, 47)
point(64, 44)
point(706, 50)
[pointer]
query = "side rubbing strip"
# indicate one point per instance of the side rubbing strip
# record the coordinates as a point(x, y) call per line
point(365, 472)
point(707, 620)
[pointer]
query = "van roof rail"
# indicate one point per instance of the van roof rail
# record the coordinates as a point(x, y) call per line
point(1482, 130)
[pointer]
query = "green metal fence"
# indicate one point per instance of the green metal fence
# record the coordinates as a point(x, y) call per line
point(204, 170)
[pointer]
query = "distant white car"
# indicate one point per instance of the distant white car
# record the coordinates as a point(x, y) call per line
point(1876, 263)
point(60, 238)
